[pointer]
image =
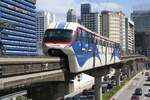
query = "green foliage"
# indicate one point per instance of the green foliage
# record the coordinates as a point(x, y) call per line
point(109, 94)
point(21, 98)
point(3, 25)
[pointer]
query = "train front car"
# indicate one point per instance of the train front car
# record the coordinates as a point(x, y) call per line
point(83, 48)
point(57, 39)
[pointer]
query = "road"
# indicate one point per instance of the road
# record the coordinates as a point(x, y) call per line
point(137, 82)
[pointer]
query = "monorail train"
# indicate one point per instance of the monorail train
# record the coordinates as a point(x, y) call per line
point(85, 49)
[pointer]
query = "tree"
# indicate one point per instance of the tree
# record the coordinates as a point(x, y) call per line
point(3, 25)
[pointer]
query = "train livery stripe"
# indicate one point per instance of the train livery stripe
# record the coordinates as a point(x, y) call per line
point(55, 25)
point(67, 26)
point(83, 56)
point(61, 26)
point(116, 53)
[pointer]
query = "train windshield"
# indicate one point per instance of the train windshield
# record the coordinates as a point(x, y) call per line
point(58, 35)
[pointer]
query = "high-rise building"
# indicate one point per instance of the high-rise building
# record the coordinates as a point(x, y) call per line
point(71, 16)
point(141, 20)
point(21, 39)
point(142, 31)
point(43, 20)
point(91, 21)
point(130, 36)
point(113, 26)
point(85, 8)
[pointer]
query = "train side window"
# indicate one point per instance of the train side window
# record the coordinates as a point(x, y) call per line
point(84, 36)
point(100, 42)
point(78, 35)
point(107, 44)
point(89, 38)
point(104, 43)
point(96, 41)
point(111, 47)
point(108, 47)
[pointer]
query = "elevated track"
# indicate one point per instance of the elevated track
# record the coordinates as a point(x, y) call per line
point(16, 72)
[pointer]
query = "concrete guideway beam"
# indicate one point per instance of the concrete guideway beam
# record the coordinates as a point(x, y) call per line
point(28, 60)
point(13, 96)
point(56, 75)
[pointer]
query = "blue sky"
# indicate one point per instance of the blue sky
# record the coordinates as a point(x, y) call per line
point(60, 7)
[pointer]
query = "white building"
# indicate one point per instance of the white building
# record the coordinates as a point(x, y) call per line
point(130, 36)
point(43, 20)
point(71, 16)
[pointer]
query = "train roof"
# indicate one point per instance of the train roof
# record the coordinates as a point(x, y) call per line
point(73, 26)
point(64, 25)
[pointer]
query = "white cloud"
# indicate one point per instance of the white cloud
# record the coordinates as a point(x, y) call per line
point(106, 6)
point(60, 7)
point(56, 6)
point(110, 6)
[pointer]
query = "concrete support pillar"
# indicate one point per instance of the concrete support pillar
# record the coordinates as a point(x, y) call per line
point(118, 76)
point(129, 72)
point(134, 66)
point(50, 91)
point(97, 74)
point(98, 88)
point(137, 66)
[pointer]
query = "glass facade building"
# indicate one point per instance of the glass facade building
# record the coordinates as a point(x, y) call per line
point(71, 16)
point(20, 40)
point(141, 19)
point(85, 8)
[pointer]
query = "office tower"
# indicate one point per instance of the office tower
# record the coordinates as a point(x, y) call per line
point(91, 21)
point(43, 20)
point(85, 8)
point(19, 40)
point(71, 16)
point(141, 19)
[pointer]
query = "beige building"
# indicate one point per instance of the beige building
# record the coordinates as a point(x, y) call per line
point(130, 36)
point(113, 26)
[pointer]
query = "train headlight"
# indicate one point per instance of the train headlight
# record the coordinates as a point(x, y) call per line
point(67, 46)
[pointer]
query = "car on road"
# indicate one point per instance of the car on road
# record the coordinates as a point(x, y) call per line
point(148, 93)
point(88, 92)
point(135, 97)
point(148, 78)
point(138, 91)
point(146, 73)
